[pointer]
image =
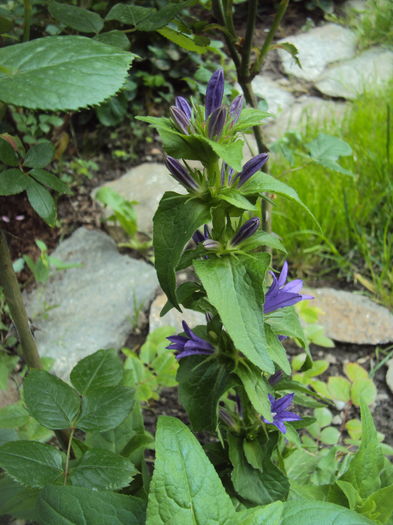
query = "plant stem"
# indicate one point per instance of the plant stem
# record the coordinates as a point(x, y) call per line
point(219, 14)
point(67, 463)
point(246, 49)
point(14, 301)
point(269, 37)
point(26, 20)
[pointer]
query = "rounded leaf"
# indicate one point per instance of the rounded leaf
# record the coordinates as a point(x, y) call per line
point(339, 388)
point(363, 388)
point(99, 370)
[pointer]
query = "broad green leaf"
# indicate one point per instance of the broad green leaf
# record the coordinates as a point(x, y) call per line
point(232, 196)
point(263, 239)
point(41, 201)
point(182, 40)
point(114, 38)
point(8, 155)
point(363, 389)
point(140, 377)
point(81, 506)
point(101, 469)
point(323, 416)
point(17, 501)
point(266, 515)
point(329, 436)
point(350, 492)
point(354, 372)
point(42, 68)
point(261, 485)
point(50, 400)
point(379, 505)
point(256, 387)
point(339, 388)
point(13, 181)
point(185, 489)
point(175, 220)
point(306, 512)
point(201, 384)
point(39, 155)
point(276, 350)
point(231, 153)
point(234, 287)
point(250, 117)
point(354, 428)
point(327, 147)
point(285, 321)
point(366, 465)
point(50, 180)
point(78, 18)
point(262, 182)
point(99, 370)
point(105, 408)
point(31, 464)
point(146, 18)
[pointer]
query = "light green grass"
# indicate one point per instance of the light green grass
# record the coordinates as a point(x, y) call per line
point(355, 214)
point(374, 24)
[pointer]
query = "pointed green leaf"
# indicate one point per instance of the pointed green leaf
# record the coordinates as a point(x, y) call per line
point(8, 155)
point(231, 153)
point(257, 389)
point(50, 400)
point(234, 287)
point(30, 463)
point(41, 201)
point(49, 180)
point(39, 155)
point(250, 117)
point(182, 40)
point(99, 370)
point(233, 197)
point(40, 72)
point(175, 220)
point(13, 181)
point(185, 489)
point(379, 506)
point(78, 18)
point(17, 501)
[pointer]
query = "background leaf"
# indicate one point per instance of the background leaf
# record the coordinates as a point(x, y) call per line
point(99, 370)
point(39, 155)
point(41, 201)
point(13, 181)
point(78, 18)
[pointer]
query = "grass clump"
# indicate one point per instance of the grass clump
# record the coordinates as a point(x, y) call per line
point(373, 23)
point(355, 212)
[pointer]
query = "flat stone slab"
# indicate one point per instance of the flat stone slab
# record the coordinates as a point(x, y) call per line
point(304, 110)
point(81, 310)
point(278, 99)
point(173, 317)
point(145, 184)
point(349, 79)
point(318, 48)
point(353, 318)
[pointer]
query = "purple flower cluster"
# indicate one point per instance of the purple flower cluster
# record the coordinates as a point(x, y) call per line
point(189, 344)
point(280, 413)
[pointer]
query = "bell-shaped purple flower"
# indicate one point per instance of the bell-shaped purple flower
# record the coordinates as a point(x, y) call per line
point(189, 344)
point(199, 237)
point(280, 413)
point(281, 295)
point(250, 167)
point(214, 92)
point(245, 231)
point(236, 108)
point(216, 122)
point(180, 119)
point(183, 104)
point(180, 173)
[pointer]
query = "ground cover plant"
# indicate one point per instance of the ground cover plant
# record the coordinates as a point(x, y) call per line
point(75, 453)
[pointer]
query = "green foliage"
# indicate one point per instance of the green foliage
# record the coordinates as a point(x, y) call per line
point(373, 23)
point(45, 264)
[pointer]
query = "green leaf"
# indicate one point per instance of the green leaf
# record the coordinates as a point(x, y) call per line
point(259, 486)
point(262, 182)
point(354, 372)
point(99, 370)
point(114, 38)
point(41, 201)
point(329, 436)
point(8, 155)
point(350, 492)
point(326, 147)
point(101, 469)
point(266, 515)
point(202, 382)
point(250, 117)
point(323, 416)
point(42, 68)
point(146, 18)
point(232, 196)
point(31, 464)
point(50, 180)
point(289, 48)
point(185, 489)
point(276, 350)
point(231, 153)
point(17, 501)
point(363, 389)
point(50, 400)
point(285, 321)
point(366, 465)
point(263, 239)
point(13, 181)
point(78, 18)
point(256, 387)
point(105, 408)
point(81, 506)
point(234, 287)
point(39, 155)
point(13, 416)
point(339, 388)
point(175, 220)
point(181, 40)
point(379, 506)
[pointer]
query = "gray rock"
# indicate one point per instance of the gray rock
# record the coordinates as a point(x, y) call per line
point(277, 98)
point(145, 184)
point(304, 110)
point(370, 69)
point(317, 48)
point(173, 317)
point(81, 310)
point(353, 318)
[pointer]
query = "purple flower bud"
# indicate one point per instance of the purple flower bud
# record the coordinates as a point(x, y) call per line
point(180, 173)
point(216, 122)
point(246, 230)
point(236, 108)
point(226, 169)
point(214, 92)
point(199, 237)
point(211, 244)
point(251, 167)
point(182, 104)
point(180, 119)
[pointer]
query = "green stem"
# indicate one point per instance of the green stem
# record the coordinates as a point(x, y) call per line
point(67, 462)
point(220, 16)
point(269, 37)
point(246, 49)
point(15, 304)
point(26, 20)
